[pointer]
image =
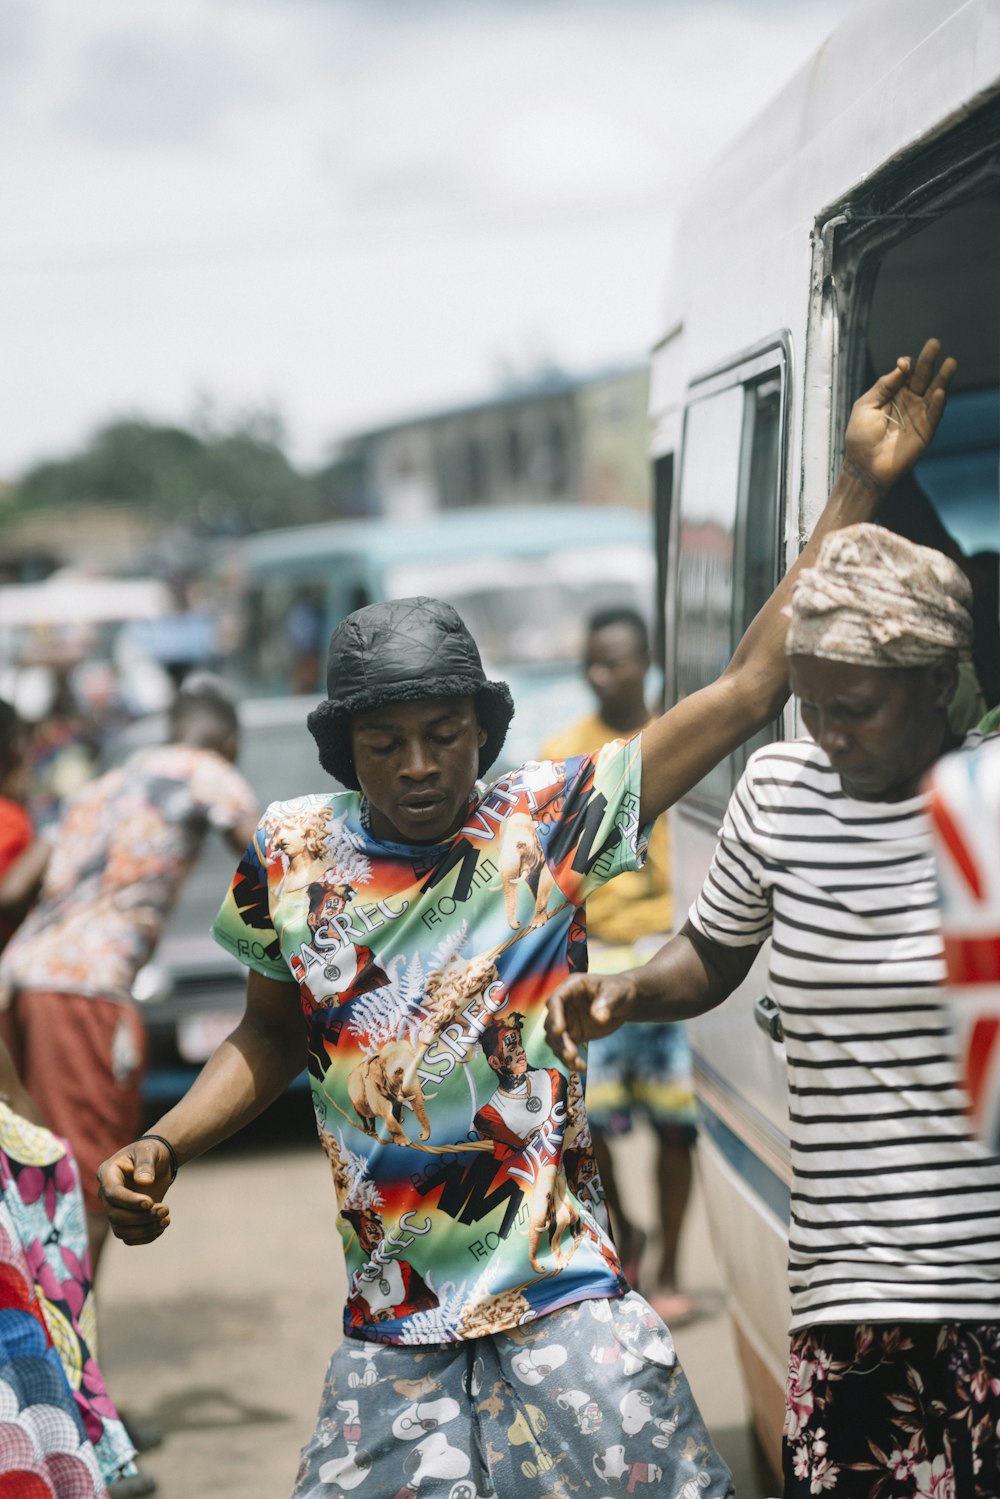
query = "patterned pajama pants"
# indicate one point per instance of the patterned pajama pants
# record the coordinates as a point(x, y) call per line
point(585, 1401)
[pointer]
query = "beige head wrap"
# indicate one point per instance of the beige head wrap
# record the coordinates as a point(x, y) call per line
point(876, 599)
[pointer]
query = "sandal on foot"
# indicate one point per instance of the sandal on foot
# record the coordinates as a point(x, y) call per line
point(674, 1309)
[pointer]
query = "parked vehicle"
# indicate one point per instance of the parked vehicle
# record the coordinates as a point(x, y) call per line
point(524, 579)
point(858, 215)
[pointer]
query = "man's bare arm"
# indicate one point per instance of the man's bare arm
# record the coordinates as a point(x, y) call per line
point(890, 428)
point(247, 1072)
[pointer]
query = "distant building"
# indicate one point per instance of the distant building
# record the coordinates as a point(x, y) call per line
point(107, 538)
point(578, 440)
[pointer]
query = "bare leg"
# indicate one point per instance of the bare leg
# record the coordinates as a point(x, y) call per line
point(674, 1175)
point(629, 1239)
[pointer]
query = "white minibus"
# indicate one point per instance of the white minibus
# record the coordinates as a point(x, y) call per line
point(856, 216)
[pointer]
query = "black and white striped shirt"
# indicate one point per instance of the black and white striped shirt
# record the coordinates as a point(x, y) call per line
point(895, 1211)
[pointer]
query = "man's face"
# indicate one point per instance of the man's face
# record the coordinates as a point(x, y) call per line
point(616, 664)
point(370, 1234)
point(510, 1055)
point(330, 906)
point(417, 764)
point(881, 728)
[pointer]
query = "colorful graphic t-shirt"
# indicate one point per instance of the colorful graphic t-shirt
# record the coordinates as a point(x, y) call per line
point(468, 1195)
point(120, 857)
point(639, 904)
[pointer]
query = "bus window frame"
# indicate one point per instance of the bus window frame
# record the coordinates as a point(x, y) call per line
point(770, 358)
point(867, 223)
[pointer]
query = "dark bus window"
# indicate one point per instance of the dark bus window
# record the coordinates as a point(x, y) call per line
point(758, 528)
point(706, 540)
point(284, 646)
point(663, 496)
point(728, 539)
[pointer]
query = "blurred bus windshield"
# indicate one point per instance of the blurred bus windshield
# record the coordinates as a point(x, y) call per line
point(524, 579)
point(530, 611)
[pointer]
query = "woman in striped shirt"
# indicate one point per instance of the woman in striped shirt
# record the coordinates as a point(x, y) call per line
point(894, 1243)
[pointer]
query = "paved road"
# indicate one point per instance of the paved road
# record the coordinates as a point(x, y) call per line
point(220, 1332)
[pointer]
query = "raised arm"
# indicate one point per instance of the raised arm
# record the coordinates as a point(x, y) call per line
point(890, 427)
point(688, 976)
point(247, 1072)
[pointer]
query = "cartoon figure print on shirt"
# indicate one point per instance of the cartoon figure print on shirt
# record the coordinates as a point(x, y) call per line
point(525, 1118)
point(442, 1111)
point(383, 1289)
point(522, 862)
point(381, 1085)
point(313, 855)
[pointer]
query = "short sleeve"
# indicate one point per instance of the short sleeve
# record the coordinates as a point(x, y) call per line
point(733, 906)
point(597, 835)
point(225, 796)
point(244, 926)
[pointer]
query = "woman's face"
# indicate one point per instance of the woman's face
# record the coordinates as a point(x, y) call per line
point(881, 728)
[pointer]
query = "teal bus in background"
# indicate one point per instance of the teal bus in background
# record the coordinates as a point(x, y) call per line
point(524, 578)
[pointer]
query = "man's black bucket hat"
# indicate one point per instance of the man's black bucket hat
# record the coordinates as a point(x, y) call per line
point(396, 652)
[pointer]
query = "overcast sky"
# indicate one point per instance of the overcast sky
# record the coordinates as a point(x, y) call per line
point(348, 210)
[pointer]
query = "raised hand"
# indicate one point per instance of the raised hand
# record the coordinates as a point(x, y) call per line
point(892, 424)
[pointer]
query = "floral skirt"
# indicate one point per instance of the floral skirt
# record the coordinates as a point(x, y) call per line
point(894, 1411)
point(60, 1435)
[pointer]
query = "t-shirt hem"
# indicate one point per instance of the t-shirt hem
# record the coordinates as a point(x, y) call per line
point(620, 1290)
point(74, 991)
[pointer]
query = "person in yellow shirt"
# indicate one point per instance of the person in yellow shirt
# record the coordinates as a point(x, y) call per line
point(642, 1068)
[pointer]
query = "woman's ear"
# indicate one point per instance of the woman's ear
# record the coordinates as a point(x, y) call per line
point(944, 682)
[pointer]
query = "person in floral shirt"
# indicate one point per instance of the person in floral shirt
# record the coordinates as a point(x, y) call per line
point(124, 848)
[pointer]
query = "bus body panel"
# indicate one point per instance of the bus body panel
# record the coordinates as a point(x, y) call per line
point(805, 234)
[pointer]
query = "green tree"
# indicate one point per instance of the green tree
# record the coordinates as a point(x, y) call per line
point(213, 481)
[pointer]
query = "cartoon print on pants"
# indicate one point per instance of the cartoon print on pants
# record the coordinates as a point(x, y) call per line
point(637, 1411)
point(611, 1464)
point(529, 1421)
point(586, 1412)
point(351, 1469)
point(532, 1365)
point(432, 1458)
point(424, 1416)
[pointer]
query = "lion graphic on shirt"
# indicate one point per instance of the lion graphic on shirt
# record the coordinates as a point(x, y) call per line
point(380, 1087)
